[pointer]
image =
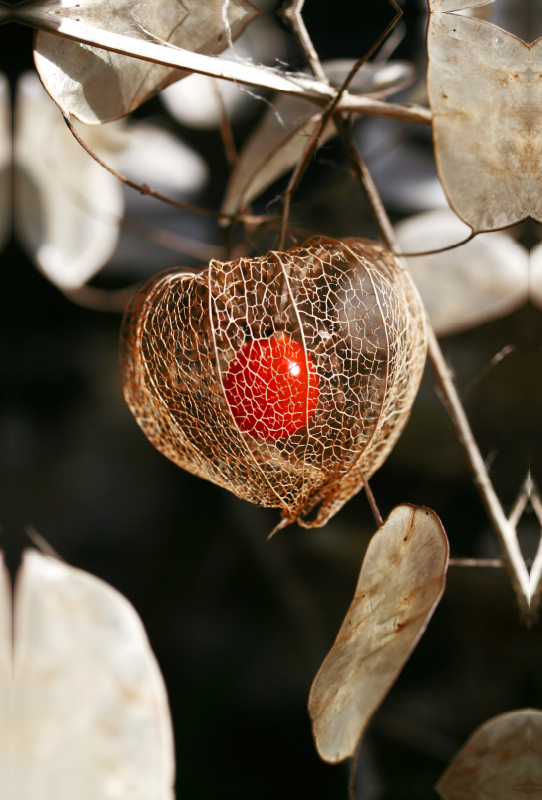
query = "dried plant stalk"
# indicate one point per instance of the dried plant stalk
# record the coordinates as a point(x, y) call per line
point(354, 315)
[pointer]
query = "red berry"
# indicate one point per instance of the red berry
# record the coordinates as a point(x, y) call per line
point(272, 387)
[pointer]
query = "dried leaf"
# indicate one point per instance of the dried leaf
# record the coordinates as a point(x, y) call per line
point(90, 703)
point(97, 85)
point(67, 208)
point(502, 760)
point(482, 280)
point(401, 581)
point(347, 314)
point(5, 160)
point(535, 275)
point(278, 142)
point(483, 89)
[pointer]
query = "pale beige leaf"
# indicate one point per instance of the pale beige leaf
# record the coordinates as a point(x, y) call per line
point(482, 280)
point(5, 160)
point(535, 275)
point(456, 5)
point(486, 100)
point(502, 760)
point(92, 718)
point(96, 85)
point(278, 142)
point(6, 721)
point(400, 584)
point(67, 208)
point(154, 156)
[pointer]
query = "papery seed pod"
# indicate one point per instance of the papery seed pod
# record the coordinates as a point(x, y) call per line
point(285, 378)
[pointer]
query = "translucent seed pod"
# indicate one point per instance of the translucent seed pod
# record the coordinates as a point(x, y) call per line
point(285, 378)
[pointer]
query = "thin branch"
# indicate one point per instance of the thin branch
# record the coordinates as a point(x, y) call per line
point(146, 190)
point(228, 139)
point(521, 502)
point(293, 14)
point(235, 71)
point(468, 239)
point(312, 146)
point(41, 543)
point(175, 241)
point(505, 531)
point(372, 502)
point(495, 563)
point(536, 504)
point(497, 358)
point(353, 773)
point(390, 46)
point(536, 567)
point(109, 301)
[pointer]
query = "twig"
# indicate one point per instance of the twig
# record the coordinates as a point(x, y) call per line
point(314, 63)
point(445, 249)
point(144, 189)
point(235, 71)
point(225, 128)
point(496, 563)
point(505, 531)
point(536, 567)
point(390, 46)
point(293, 14)
point(353, 773)
point(536, 504)
point(372, 502)
point(41, 543)
point(497, 358)
point(175, 241)
point(110, 301)
point(521, 501)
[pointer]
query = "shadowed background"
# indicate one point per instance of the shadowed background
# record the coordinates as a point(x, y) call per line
point(240, 626)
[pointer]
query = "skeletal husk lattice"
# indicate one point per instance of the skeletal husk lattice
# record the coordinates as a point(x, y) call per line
point(285, 378)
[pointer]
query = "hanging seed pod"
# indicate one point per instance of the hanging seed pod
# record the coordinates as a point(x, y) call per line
point(285, 378)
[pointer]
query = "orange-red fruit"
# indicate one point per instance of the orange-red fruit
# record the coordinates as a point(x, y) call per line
point(272, 387)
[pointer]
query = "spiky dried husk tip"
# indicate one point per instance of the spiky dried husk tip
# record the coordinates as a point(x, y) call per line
point(285, 378)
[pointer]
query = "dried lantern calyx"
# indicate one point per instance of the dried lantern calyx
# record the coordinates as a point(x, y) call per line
point(285, 378)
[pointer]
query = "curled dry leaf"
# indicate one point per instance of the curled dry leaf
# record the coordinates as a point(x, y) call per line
point(67, 208)
point(502, 760)
point(284, 378)
point(482, 87)
point(278, 142)
point(401, 581)
point(484, 279)
point(535, 275)
point(92, 718)
point(96, 85)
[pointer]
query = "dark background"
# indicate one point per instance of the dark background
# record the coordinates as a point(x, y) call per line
point(239, 625)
